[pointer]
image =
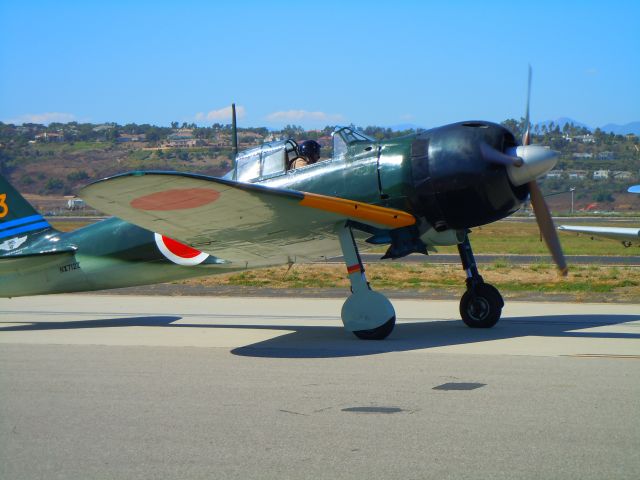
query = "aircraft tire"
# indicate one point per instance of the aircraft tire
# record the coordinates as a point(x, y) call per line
point(378, 333)
point(482, 307)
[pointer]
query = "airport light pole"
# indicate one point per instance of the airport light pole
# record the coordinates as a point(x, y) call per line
point(572, 189)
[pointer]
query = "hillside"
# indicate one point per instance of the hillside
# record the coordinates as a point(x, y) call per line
point(64, 168)
point(60, 158)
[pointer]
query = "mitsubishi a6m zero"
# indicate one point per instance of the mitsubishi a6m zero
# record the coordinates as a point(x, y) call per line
point(411, 193)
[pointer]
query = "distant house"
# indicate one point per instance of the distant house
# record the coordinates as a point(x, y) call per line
point(131, 137)
point(606, 156)
point(621, 174)
point(554, 174)
point(600, 174)
point(588, 138)
point(582, 156)
point(49, 137)
point(103, 128)
point(183, 138)
point(577, 174)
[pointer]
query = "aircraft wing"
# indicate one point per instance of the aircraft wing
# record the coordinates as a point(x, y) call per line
point(615, 233)
point(247, 224)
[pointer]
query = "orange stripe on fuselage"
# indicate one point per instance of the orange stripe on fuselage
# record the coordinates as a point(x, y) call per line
point(362, 211)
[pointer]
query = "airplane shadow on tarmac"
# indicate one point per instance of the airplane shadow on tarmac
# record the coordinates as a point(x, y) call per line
point(333, 341)
point(326, 342)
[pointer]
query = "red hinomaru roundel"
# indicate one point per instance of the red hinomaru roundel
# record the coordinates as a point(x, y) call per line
point(178, 252)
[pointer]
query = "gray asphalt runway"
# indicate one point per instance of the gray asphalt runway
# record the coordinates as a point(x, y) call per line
point(181, 387)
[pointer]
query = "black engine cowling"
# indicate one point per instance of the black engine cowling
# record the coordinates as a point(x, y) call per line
point(454, 186)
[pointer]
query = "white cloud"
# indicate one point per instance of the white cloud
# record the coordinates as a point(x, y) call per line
point(223, 114)
point(44, 118)
point(304, 116)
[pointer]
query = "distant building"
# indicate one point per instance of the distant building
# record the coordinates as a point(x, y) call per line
point(582, 156)
point(131, 137)
point(554, 174)
point(183, 138)
point(621, 174)
point(588, 138)
point(103, 128)
point(606, 156)
point(600, 174)
point(577, 174)
point(49, 137)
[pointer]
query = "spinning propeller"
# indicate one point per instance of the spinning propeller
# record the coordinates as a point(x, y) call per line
point(524, 164)
point(540, 208)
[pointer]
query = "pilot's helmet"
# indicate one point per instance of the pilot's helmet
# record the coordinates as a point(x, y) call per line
point(310, 149)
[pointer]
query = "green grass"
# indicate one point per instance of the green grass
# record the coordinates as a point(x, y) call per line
point(614, 283)
point(59, 148)
point(523, 238)
point(599, 283)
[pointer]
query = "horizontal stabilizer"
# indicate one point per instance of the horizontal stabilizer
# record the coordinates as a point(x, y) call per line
point(18, 264)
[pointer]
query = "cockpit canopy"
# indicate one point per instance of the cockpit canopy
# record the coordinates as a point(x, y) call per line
point(275, 158)
point(268, 159)
point(343, 137)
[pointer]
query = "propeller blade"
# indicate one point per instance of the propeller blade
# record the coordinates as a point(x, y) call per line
point(547, 228)
point(526, 137)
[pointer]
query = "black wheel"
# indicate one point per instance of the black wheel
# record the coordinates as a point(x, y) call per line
point(482, 307)
point(378, 333)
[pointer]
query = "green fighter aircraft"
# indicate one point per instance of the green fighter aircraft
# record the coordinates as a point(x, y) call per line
point(411, 193)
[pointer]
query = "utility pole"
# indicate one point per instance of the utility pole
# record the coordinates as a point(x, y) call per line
point(572, 189)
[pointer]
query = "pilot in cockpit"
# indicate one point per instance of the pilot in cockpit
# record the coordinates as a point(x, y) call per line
point(309, 153)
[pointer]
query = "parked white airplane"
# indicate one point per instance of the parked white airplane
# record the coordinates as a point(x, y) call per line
point(628, 236)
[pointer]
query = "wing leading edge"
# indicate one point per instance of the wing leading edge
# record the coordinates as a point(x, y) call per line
point(626, 235)
point(248, 223)
point(614, 233)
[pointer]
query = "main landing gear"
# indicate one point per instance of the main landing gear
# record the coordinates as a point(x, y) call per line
point(481, 305)
point(368, 314)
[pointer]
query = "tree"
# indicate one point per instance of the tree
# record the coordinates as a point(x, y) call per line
point(54, 184)
point(512, 125)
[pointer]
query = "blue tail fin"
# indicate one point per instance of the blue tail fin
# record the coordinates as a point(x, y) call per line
point(19, 221)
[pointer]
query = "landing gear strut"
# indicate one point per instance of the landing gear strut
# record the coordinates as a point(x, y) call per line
point(481, 305)
point(368, 314)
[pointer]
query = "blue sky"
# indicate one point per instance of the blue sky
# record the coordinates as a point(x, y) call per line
point(313, 64)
